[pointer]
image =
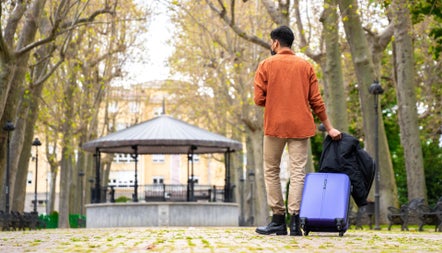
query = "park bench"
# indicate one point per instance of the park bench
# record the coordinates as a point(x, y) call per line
point(14, 220)
point(81, 222)
point(430, 216)
point(406, 214)
point(365, 215)
point(4, 220)
point(21, 221)
point(154, 196)
point(32, 221)
point(203, 195)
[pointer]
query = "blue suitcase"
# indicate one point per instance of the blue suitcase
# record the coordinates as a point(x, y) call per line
point(325, 203)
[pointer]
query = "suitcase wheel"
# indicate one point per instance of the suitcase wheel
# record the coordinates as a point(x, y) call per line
point(306, 232)
point(341, 233)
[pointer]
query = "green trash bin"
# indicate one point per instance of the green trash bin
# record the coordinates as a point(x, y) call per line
point(50, 220)
point(77, 221)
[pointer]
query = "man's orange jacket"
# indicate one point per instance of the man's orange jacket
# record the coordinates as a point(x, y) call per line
point(286, 85)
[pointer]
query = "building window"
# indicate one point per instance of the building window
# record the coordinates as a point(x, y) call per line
point(157, 111)
point(196, 158)
point(158, 158)
point(113, 107)
point(195, 180)
point(158, 180)
point(121, 178)
point(30, 177)
point(121, 126)
point(123, 158)
point(134, 107)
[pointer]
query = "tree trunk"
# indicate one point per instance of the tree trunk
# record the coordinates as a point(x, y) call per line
point(257, 194)
point(335, 92)
point(279, 14)
point(67, 161)
point(365, 73)
point(27, 117)
point(406, 97)
point(52, 188)
point(74, 196)
point(65, 185)
point(15, 80)
point(8, 68)
point(28, 123)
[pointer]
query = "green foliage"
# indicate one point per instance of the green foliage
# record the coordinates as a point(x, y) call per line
point(432, 153)
point(122, 199)
point(420, 9)
point(397, 152)
point(316, 147)
point(433, 165)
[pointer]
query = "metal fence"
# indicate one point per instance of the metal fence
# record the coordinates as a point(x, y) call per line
point(165, 192)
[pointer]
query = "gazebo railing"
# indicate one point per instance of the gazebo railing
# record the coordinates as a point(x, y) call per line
point(165, 192)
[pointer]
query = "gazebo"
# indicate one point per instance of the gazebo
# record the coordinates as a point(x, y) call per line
point(163, 135)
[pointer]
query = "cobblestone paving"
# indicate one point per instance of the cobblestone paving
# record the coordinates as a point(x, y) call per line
point(213, 239)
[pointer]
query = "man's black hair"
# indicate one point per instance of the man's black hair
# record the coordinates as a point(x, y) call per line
point(284, 35)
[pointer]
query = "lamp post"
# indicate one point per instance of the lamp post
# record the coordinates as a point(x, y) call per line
point(47, 191)
point(80, 175)
point(376, 89)
point(36, 143)
point(251, 219)
point(135, 157)
point(8, 127)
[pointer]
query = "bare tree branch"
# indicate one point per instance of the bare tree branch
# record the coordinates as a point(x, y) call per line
point(303, 41)
point(54, 34)
point(13, 20)
point(275, 12)
point(232, 11)
point(241, 33)
point(90, 18)
point(43, 79)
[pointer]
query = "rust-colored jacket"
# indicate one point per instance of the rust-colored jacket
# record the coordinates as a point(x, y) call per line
point(286, 85)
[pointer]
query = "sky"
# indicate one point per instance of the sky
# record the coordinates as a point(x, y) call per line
point(150, 64)
point(158, 49)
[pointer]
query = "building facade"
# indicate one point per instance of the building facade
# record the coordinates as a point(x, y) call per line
point(128, 106)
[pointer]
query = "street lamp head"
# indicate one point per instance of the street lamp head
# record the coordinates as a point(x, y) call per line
point(9, 126)
point(375, 88)
point(36, 142)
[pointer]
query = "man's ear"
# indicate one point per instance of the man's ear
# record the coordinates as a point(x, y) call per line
point(278, 45)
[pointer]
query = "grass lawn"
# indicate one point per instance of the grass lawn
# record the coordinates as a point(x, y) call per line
point(216, 239)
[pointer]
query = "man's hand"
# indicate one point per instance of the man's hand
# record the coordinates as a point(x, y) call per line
point(335, 134)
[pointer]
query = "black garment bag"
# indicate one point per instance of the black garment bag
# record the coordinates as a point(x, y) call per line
point(346, 156)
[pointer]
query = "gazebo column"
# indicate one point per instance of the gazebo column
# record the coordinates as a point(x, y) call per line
point(135, 157)
point(190, 180)
point(227, 185)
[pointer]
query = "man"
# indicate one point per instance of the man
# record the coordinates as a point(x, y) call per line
point(286, 85)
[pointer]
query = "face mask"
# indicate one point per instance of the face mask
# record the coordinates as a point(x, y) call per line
point(272, 52)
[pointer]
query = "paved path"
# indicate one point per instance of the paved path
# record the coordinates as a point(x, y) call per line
point(218, 239)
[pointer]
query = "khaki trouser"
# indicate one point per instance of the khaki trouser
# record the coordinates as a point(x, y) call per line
point(297, 150)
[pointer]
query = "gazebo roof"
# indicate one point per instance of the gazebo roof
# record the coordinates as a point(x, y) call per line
point(163, 135)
